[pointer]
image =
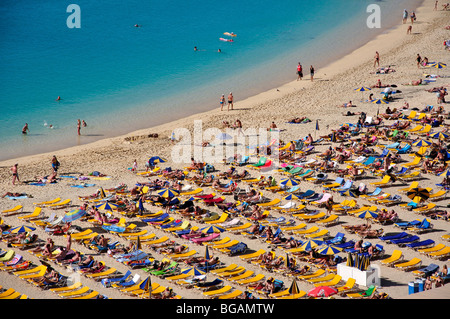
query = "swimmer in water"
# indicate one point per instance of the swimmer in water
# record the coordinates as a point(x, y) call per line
point(25, 129)
point(58, 98)
point(195, 49)
point(84, 123)
point(136, 25)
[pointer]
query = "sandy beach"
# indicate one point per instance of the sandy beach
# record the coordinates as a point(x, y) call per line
point(333, 85)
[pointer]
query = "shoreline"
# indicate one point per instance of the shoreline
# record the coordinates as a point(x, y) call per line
point(330, 69)
point(316, 100)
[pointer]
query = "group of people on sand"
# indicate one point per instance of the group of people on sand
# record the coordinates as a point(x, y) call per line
point(229, 101)
point(300, 72)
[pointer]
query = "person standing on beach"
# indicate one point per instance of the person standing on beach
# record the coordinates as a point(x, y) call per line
point(79, 127)
point(413, 17)
point(230, 101)
point(25, 129)
point(436, 5)
point(299, 71)
point(311, 71)
point(15, 173)
point(409, 30)
point(222, 101)
point(376, 59)
point(418, 59)
point(55, 164)
point(84, 123)
point(405, 16)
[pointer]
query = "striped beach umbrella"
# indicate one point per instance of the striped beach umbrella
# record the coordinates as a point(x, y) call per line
point(439, 135)
point(212, 229)
point(309, 244)
point(289, 182)
point(102, 192)
point(322, 291)
point(379, 101)
point(363, 89)
point(438, 65)
point(167, 192)
point(421, 143)
point(22, 229)
point(193, 271)
point(156, 159)
point(423, 193)
point(291, 197)
point(350, 193)
point(328, 250)
point(107, 206)
point(445, 173)
point(367, 214)
point(73, 215)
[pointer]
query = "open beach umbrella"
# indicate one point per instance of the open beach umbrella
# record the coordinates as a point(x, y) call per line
point(22, 229)
point(423, 193)
point(192, 271)
point(362, 89)
point(107, 206)
point(439, 135)
point(445, 173)
point(212, 229)
point(167, 192)
point(328, 250)
point(379, 101)
point(367, 214)
point(310, 244)
point(421, 143)
point(73, 215)
point(224, 136)
point(350, 193)
point(289, 182)
point(322, 291)
point(438, 65)
point(156, 159)
point(291, 197)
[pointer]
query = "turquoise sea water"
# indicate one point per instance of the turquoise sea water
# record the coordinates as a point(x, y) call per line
point(120, 78)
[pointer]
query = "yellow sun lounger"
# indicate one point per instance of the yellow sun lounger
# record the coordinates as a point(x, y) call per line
point(408, 265)
point(273, 202)
point(396, 257)
point(193, 192)
point(249, 257)
point(317, 273)
point(431, 249)
point(75, 293)
point(35, 214)
point(67, 288)
point(414, 163)
point(386, 179)
point(443, 253)
point(60, 205)
point(251, 280)
point(441, 194)
point(407, 189)
point(293, 228)
point(227, 268)
point(294, 296)
point(133, 234)
point(238, 271)
point(347, 287)
point(240, 227)
point(182, 256)
point(156, 241)
point(321, 279)
point(218, 242)
point(425, 209)
point(53, 201)
point(308, 231)
point(226, 245)
point(14, 295)
point(321, 233)
point(310, 218)
point(81, 233)
point(13, 210)
point(7, 293)
point(104, 274)
point(232, 295)
point(217, 292)
point(93, 294)
point(330, 220)
point(245, 275)
point(221, 219)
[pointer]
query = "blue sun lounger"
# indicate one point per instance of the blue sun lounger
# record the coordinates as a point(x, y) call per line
point(406, 240)
point(421, 244)
point(393, 237)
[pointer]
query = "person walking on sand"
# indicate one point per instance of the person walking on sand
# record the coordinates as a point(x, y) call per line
point(25, 129)
point(230, 101)
point(376, 59)
point(15, 174)
point(413, 17)
point(222, 101)
point(409, 30)
point(419, 60)
point(79, 127)
point(299, 71)
point(311, 71)
point(436, 5)
point(55, 164)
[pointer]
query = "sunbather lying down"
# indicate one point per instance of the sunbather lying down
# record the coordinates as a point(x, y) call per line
point(10, 194)
point(417, 82)
point(349, 104)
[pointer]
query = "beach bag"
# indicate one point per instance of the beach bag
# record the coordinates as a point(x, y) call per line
point(209, 168)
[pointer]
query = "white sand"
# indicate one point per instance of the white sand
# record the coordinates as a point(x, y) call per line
point(333, 86)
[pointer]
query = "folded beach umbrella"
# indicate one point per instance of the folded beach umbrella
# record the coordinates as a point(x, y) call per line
point(107, 206)
point(439, 135)
point(73, 215)
point(350, 262)
point(102, 192)
point(421, 143)
point(423, 193)
point(350, 193)
point(212, 229)
point(22, 229)
point(138, 243)
point(310, 244)
point(192, 271)
point(287, 263)
point(289, 182)
point(322, 291)
point(141, 205)
point(379, 101)
point(167, 192)
point(328, 250)
point(293, 289)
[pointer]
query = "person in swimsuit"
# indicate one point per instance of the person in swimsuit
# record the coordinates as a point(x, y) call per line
point(299, 71)
point(377, 59)
point(25, 129)
point(230, 101)
point(79, 127)
point(311, 71)
point(15, 174)
point(222, 101)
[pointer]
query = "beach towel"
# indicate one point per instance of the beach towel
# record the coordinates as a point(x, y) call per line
point(37, 184)
point(16, 197)
point(82, 185)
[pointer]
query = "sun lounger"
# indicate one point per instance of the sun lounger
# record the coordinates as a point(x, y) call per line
point(232, 295)
point(408, 265)
point(75, 293)
point(16, 209)
point(364, 294)
point(426, 271)
point(60, 205)
point(252, 280)
point(433, 249)
point(316, 274)
point(217, 292)
point(441, 254)
point(396, 257)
